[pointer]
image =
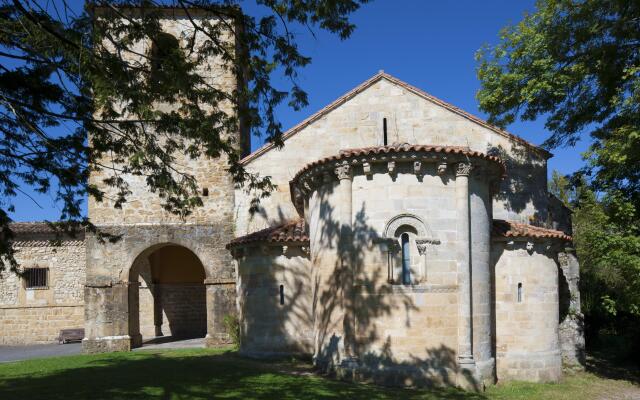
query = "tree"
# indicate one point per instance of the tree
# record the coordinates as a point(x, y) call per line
point(606, 235)
point(575, 63)
point(65, 72)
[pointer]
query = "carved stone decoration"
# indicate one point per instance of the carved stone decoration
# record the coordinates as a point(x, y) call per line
point(423, 244)
point(298, 196)
point(463, 169)
point(442, 168)
point(417, 168)
point(306, 250)
point(344, 171)
point(422, 247)
point(306, 187)
point(391, 166)
point(366, 167)
point(529, 247)
point(563, 259)
point(407, 219)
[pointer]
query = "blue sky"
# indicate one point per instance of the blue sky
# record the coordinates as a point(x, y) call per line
point(429, 44)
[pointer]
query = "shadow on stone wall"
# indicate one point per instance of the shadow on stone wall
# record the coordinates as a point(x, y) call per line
point(350, 297)
point(525, 182)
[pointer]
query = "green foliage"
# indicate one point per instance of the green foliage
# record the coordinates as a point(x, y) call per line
point(607, 240)
point(66, 72)
point(560, 187)
point(606, 233)
point(575, 63)
point(232, 325)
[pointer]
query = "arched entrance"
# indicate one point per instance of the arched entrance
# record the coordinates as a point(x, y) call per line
point(167, 295)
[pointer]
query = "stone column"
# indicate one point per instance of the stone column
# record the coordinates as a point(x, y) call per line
point(345, 175)
point(106, 317)
point(465, 350)
point(220, 297)
point(134, 314)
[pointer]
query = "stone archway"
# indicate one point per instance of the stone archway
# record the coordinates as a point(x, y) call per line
point(167, 295)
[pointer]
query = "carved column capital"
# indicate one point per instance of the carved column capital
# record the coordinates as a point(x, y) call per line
point(344, 171)
point(463, 169)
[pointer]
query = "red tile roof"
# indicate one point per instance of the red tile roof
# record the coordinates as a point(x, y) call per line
point(45, 228)
point(383, 150)
point(290, 232)
point(511, 229)
point(366, 84)
point(31, 227)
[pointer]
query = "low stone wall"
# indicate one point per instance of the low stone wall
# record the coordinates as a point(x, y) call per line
point(36, 325)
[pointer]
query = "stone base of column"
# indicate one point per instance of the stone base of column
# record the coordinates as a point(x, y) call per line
point(467, 374)
point(486, 371)
point(106, 344)
point(136, 341)
point(217, 340)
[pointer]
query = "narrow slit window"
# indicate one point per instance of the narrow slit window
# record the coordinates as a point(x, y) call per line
point(36, 278)
point(205, 192)
point(384, 131)
point(281, 295)
point(520, 292)
point(406, 259)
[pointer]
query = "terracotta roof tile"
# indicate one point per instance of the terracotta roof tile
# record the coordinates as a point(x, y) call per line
point(364, 151)
point(30, 227)
point(40, 228)
point(511, 229)
point(290, 232)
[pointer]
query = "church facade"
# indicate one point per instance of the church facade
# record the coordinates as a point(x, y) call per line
point(419, 244)
point(406, 241)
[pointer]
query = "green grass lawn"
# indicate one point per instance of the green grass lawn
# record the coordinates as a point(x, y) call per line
point(220, 374)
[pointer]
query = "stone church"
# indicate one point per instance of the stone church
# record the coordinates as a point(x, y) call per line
point(406, 242)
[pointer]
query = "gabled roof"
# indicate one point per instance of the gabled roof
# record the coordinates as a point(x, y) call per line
point(419, 92)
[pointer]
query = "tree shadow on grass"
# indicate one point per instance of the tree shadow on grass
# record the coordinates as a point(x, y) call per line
point(607, 363)
point(188, 375)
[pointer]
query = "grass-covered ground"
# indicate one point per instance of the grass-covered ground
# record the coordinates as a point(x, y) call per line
point(220, 374)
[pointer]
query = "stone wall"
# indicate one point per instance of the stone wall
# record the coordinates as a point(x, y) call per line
point(401, 327)
point(37, 315)
point(37, 324)
point(183, 308)
point(526, 332)
point(269, 327)
point(144, 226)
point(144, 206)
point(108, 276)
point(571, 317)
point(357, 122)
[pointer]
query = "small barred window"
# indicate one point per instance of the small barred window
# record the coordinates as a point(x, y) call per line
point(36, 278)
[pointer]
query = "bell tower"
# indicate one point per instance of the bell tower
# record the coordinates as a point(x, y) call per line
point(139, 286)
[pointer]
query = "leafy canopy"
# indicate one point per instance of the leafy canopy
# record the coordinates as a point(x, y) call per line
point(606, 235)
point(66, 72)
point(577, 64)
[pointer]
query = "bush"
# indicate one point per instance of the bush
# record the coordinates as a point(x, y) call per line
point(232, 326)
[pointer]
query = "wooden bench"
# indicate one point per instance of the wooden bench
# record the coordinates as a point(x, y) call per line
point(70, 335)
